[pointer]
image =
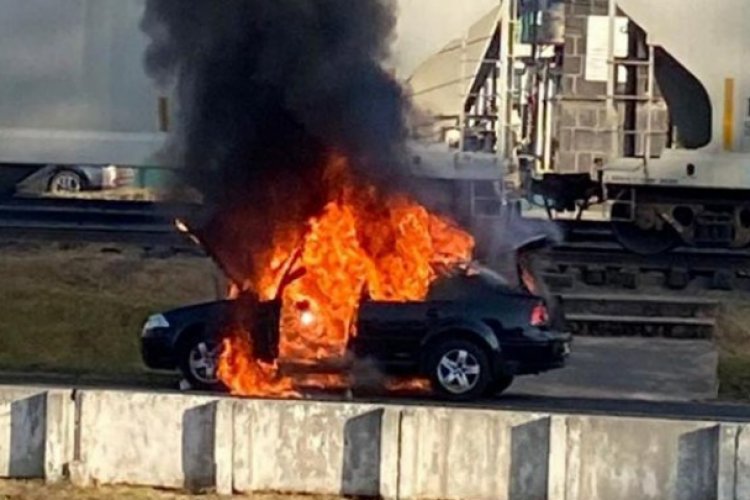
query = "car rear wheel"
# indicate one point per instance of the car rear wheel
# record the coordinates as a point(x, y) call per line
point(459, 370)
point(199, 362)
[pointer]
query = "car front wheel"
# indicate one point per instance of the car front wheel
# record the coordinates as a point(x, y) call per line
point(459, 370)
point(199, 362)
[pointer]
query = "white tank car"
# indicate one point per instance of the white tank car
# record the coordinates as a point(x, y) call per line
point(640, 104)
point(697, 192)
point(73, 90)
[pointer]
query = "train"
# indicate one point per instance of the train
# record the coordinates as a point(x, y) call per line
point(636, 112)
point(75, 101)
point(633, 111)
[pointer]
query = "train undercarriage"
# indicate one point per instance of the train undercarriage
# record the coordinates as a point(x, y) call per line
point(647, 220)
point(652, 220)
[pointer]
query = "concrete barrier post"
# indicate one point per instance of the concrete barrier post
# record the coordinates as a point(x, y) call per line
point(390, 451)
point(558, 449)
point(224, 447)
point(742, 471)
point(727, 462)
point(5, 437)
point(148, 439)
point(60, 427)
point(473, 454)
point(23, 422)
point(625, 458)
point(315, 448)
point(573, 436)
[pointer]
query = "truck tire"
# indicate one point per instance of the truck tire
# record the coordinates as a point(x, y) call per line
point(459, 370)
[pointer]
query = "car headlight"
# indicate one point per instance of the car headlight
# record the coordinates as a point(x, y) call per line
point(154, 322)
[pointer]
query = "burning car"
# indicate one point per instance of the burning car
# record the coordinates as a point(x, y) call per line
point(471, 336)
point(334, 237)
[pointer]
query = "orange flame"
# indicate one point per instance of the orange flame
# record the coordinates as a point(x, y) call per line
point(363, 242)
point(245, 375)
point(407, 385)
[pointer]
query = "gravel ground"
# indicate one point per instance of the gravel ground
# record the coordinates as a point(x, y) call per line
point(35, 490)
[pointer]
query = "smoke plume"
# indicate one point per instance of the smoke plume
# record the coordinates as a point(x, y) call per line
point(266, 90)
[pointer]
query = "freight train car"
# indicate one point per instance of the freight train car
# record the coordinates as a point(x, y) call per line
point(634, 107)
point(73, 92)
point(74, 96)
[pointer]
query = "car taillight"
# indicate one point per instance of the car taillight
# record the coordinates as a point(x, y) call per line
point(539, 315)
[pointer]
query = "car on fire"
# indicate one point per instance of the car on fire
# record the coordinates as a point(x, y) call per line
point(471, 337)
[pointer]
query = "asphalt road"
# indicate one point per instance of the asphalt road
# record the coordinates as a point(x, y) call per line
point(512, 401)
point(627, 377)
point(651, 369)
point(516, 399)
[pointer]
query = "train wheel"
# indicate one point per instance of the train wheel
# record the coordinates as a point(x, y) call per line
point(642, 236)
point(66, 181)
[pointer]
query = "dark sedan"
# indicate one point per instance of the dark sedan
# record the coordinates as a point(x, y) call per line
point(471, 337)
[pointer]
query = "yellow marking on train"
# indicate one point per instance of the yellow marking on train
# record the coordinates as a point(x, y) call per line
point(729, 114)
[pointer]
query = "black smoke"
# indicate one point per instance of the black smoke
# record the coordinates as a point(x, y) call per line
point(267, 88)
point(266, 91)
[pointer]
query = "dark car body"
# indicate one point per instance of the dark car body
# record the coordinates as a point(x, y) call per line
point(161, 343)
point(400, 336)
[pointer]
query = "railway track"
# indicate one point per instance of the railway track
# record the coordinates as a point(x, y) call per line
point(607, 291)
point(624, 315)
point(608, 264)
point(589, 254)
point(146, 223)
point(598, 281)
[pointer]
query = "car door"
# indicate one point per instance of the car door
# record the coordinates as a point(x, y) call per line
point(391, 332)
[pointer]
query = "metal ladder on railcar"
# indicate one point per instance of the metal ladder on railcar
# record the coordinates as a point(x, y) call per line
point(649, 99)
point(490, 201)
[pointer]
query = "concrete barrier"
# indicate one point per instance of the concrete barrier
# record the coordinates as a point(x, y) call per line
point(742, 463)
point(473, 454)
point(617, 458)
point(407, 452)
point(318, 448)
point(164, 440)
point(35, 432)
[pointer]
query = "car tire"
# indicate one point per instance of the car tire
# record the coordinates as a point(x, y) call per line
point(66, 181)
point(198, 358)
point(459, 370)
point(499, 384)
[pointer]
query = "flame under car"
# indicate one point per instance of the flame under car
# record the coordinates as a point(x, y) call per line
point(470, 338)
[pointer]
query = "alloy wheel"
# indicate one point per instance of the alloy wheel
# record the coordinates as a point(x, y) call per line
point(458, 371)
